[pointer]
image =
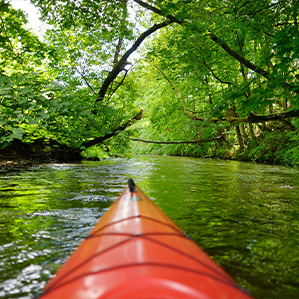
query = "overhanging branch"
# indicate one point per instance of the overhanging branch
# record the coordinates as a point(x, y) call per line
point(172, 18)
point(249, 119)
point(86, 81)
point(277, 116)
point(123, 61)
point(213, 73)
point(178, 142)
point(258, 118)
point(223, 45)
point(116, 131)
point(194, 117)
point(238, 57)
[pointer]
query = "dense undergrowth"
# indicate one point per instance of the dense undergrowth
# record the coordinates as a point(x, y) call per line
point(277, 148)
point(276, 145)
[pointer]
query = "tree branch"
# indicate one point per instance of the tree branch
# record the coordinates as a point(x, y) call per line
point(118, 84)
point(214, 75)
point(250, 119)
point(87, 83)
point(259, 118)
point(123, 61)
point(172, 18)
point(181, 97)
point(116, 131)
point(277, 116)
point(223, 45)
point(177, 142)
point(147, 6)
point(238, 57)
point(117, 50)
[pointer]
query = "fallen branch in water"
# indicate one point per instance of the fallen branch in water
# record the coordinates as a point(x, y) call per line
point(178, 142)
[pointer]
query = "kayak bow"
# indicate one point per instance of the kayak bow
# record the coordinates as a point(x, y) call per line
point(136, 251)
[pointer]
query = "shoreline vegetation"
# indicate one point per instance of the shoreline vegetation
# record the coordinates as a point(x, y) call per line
point(268, 150)
point(114, 78)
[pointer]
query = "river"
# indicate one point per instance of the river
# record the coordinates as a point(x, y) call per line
point(244, 215)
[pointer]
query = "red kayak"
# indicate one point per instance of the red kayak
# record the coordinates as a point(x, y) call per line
point(136, 251)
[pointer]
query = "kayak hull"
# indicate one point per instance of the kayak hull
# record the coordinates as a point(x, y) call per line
point(136, 251)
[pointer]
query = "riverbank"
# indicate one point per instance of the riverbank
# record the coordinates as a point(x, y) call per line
point(39, 151)
point(273, 149)
point(279, 148)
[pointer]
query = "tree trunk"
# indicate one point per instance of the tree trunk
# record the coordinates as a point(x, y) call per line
point(240, 139)
point(238, 131)
point(244, 133)
point(251, 131)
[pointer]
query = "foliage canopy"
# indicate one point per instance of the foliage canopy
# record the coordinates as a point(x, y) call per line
point(225, 72)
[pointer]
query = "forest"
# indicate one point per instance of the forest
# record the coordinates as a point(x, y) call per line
point(216, 78)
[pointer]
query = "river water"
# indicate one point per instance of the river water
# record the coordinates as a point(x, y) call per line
point(244, 215)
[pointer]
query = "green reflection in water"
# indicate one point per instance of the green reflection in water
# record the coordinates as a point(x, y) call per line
point(244, 215)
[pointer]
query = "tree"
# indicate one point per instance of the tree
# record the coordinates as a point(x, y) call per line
point(88, 64)
point(22, 85)
point(231, 66)
point(244, 56)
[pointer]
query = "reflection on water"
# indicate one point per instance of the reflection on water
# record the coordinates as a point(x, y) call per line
point(245, 215)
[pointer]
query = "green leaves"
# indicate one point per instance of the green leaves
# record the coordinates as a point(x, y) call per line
point(4, 7)
point(52, 89)
point(221, 77)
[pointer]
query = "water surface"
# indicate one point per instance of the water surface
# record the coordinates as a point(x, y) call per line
point(244, 215)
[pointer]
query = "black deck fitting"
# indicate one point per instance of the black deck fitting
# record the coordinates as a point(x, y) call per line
point(131, 185)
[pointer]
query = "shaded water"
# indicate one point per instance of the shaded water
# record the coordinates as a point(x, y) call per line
point(244, 215)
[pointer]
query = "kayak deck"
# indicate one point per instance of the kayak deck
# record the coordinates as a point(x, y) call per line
point(136, 251)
